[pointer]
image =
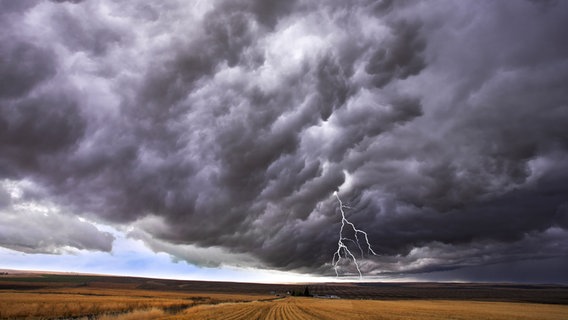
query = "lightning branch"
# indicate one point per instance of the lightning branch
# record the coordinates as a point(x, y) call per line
point(343, 251)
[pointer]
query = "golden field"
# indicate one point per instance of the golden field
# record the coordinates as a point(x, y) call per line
point(310, 308)
point(64, 296)
point(106, 304)
point(95, 303)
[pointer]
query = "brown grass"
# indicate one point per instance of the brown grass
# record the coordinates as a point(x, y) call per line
point(74, 302)
point(153, 313)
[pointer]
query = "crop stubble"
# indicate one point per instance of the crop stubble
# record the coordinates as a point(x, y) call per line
point(32, 296)
point(306, 308)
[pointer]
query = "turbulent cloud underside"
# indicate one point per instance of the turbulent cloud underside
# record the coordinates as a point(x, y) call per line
point(227, 126)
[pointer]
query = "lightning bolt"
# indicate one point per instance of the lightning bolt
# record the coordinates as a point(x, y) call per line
point(343, 251)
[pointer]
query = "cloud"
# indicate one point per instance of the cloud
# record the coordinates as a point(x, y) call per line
point(39, 227)
point(23, 66)
point(227, 126)
point(398, 59)
point(70, 1)
point(9, 7)
point(212, 257)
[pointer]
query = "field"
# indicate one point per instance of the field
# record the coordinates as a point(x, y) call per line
point(309, 308)
point(65, 296)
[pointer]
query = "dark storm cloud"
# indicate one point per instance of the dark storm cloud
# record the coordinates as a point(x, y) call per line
point(36, 119)
point(551, 270)
point(71, 1)
point(229, 126)
point(88, 35)
point(399, 59)
point(37, 128)
point(265, 12)
point(23, 66)
point(9, 7)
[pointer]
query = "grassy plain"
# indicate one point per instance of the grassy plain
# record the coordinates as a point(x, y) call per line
point(96, 303)
point(37, 296)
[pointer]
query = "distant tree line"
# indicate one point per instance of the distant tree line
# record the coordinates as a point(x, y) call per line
point(305, 293)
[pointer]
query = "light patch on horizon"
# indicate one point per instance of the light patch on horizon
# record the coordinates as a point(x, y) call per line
point(132, 257)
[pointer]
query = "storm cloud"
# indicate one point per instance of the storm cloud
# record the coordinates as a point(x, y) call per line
point(227, 126)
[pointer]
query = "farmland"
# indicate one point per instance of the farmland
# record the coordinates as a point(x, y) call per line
point(309, 308)
point(66, 296)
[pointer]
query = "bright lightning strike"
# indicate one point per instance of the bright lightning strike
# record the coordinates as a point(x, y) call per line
point(343, 251)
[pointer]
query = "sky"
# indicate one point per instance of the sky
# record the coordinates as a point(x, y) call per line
point(208, 139)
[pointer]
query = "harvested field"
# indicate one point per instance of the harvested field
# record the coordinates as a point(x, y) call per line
point(53, 296)
point(309, 308)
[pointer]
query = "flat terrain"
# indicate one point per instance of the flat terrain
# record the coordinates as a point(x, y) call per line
point(69, 296)
point(310, 308)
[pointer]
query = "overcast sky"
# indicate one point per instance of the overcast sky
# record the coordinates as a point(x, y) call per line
point(172, 136)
